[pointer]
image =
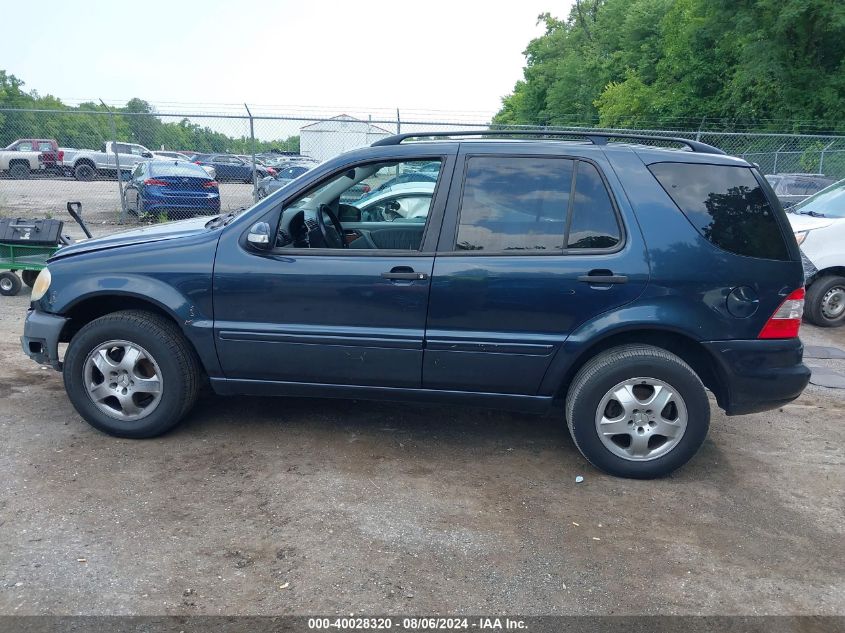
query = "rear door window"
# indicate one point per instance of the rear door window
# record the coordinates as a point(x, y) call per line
point(527, 204)
point(727, 206)
point(514, 204)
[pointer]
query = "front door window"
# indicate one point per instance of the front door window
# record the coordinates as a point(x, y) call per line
point(377, 206)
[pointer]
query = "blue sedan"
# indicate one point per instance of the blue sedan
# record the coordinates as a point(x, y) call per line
point(176, 188)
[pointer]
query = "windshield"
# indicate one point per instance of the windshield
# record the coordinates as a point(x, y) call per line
point(828, 202)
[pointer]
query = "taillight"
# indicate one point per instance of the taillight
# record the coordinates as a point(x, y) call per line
point(786, 320)
point(271, 171)
point(61, 156)
point(366, 188)
point(208, 184)
point(155, 182)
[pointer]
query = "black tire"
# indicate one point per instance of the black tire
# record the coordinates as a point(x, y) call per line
point(19, 170)
point(818, 294)
point(29, 277)
point(84, 172)
point(10, 284)
point(181, 374)
point(601, 374)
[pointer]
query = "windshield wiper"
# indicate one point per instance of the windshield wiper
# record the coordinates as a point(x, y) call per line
point(814, 214)
point(220, 220)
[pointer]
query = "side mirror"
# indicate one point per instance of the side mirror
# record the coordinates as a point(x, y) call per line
point(259, 235)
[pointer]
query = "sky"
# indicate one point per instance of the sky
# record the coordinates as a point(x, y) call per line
point(375, 56)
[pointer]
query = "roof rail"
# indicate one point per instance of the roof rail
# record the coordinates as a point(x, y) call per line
point(596, 138)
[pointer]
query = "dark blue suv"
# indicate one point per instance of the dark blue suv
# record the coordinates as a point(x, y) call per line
point(613, 282)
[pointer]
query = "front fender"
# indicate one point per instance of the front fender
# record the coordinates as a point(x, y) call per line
point(177, 280)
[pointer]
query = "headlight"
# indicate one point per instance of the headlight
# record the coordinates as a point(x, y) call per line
point(41, 285)
point(800, 236)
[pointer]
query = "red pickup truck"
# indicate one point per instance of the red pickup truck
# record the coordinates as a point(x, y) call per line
point(51, 155)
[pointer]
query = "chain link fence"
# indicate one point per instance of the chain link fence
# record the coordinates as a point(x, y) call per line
point(92, 155)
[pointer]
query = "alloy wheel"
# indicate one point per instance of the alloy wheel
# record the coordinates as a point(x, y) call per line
point(641, 419)
point(123, 380)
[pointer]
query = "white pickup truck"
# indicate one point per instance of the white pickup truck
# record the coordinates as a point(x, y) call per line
point(86, 164)
point(20, 164)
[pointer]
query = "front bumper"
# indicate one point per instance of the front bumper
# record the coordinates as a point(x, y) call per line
point(40, 340)
point(759, 375)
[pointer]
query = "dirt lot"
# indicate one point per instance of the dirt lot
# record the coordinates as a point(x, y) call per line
point(277, 506)
point(100, 199)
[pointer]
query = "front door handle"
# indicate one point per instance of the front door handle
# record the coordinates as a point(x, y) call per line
point(603, 277)
point(404, 273)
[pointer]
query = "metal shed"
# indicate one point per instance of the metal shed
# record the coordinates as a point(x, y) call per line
point(324, 139)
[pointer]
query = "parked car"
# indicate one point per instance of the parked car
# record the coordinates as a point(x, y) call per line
point(407, 178)
point(268, 185)
point(819, 225)
point(400, 202)
point(20, 163)
point(280, 163)
point(178, 189)
point(51, 156)
point(209, 169)
point(87, 164)
point(259, 162)
point(793, 188)
point(612, 283)
point(283, 176)
point(229, 167)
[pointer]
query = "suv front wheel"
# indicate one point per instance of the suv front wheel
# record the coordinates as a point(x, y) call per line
point(825, 302)
point(131, 374)
point(637, 411)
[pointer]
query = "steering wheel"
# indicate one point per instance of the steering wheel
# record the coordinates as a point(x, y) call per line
point(332, 236)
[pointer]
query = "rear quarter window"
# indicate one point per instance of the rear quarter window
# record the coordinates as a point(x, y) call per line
point(727, 206)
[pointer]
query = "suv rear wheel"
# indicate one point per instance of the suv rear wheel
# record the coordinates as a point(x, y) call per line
point(825, 302)
point(637, 411)
point(131, 374)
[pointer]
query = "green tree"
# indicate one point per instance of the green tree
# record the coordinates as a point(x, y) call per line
point(676, 62)
point(89, 124)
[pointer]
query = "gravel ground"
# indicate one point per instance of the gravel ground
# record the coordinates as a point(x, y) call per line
point(294, 506)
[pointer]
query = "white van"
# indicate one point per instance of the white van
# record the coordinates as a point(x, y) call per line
point(819, 226)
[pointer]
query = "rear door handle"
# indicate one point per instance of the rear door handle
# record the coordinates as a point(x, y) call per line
point(404, 273)
point(604, 279)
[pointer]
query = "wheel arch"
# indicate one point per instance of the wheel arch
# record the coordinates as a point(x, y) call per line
point(830, 271)
point(92, 306)
point(691, 351)
point(84, 161)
